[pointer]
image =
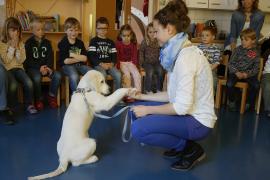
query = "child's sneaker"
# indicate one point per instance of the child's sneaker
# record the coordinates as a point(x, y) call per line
point(31, 109)
point(39, 105)
point(52, 101)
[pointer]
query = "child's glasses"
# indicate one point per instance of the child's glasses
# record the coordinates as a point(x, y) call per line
point(102, 28)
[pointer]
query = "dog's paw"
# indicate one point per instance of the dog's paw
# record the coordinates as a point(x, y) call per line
point(93, 159)
point(133, 93)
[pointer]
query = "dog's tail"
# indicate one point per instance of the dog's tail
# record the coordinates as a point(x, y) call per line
point(61, 169)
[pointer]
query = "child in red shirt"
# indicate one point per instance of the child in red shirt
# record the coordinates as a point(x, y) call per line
point(127, 57)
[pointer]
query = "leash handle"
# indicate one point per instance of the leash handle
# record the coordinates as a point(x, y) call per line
point(109, 117)
point(125, 137)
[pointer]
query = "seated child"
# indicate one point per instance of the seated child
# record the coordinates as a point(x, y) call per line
point(72, 53)
point(244, 66)
point(39, 63)
point(127, 57)
point(149, 60)
point(12, 52)
point(210, 50)
point(102, 52)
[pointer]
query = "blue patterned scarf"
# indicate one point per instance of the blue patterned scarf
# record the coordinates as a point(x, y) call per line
point(170, 51)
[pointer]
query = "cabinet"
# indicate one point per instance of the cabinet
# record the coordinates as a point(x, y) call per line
point(231, 4)
point(197, 3)
point(264, 5)
point(223, 4)
point(213, 4)
point(217, 4)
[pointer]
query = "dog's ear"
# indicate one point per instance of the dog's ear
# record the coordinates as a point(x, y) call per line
point(99, 81)
point(86, 80)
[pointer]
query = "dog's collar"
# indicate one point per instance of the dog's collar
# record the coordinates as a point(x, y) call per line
point(82, 90)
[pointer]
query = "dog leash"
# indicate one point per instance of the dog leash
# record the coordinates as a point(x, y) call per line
point(125, 138)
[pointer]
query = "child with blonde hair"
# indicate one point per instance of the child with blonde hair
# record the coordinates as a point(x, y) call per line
point(12, 52)
point(39, 63)
point(149, 60)
point(72, 53)
point(244, 66)
point(127, 57)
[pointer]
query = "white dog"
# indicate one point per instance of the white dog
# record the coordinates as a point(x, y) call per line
point(74, 145)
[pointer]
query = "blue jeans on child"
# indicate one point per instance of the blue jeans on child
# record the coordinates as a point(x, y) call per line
point(167, 131)
point(114, 72)
point(73, 72)
point(3, 87)
point(36, 76)
point(16, 76)
point(150, 71)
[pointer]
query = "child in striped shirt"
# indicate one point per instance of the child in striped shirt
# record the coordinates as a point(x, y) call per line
point(210, 50)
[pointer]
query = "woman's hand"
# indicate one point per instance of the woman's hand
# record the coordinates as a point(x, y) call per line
point(140, 111)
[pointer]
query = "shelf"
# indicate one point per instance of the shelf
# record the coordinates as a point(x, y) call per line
point(60, 32)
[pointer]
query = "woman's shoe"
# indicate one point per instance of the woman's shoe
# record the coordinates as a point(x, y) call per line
point(172, 153)
point(189, 160)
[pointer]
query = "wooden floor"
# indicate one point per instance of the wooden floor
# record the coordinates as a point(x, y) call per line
point(238, 148)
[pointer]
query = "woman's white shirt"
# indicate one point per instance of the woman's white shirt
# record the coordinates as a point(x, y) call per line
point(190, 86)
point(266, 69)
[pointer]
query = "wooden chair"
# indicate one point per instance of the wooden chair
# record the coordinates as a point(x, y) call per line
point(259, 97)
point(242, 85)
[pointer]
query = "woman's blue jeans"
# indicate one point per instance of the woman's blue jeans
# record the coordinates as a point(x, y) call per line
point(167, 131)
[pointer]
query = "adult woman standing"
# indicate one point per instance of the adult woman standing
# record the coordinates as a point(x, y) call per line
point(247, 15)
point(177, 118)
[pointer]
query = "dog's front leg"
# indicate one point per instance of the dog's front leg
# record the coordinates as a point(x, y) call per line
point(112, 100)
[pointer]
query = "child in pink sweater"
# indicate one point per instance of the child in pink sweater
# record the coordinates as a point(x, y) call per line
point(127, 57)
